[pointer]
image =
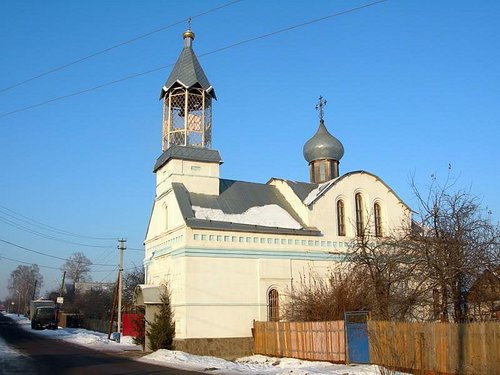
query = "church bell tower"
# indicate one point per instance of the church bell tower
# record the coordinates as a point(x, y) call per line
point(187, 156)
point(187, 102)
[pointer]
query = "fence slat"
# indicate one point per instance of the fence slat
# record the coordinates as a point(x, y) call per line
point(322, 341)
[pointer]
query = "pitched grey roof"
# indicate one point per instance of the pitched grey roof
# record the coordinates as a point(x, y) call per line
point(236, 197)
point(301, 189)
point(187, 153)
point(188, 73)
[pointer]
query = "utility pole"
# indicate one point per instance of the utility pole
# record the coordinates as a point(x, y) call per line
point(121, 247)
point(61, 292)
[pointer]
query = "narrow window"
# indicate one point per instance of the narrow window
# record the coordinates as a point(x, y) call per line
point(166, 218)
point(340, 218)
point(273, 306)
point(322, 171)
point(360, 225)
point(378, 220)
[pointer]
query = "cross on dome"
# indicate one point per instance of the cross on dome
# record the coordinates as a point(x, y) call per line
point(319, 107)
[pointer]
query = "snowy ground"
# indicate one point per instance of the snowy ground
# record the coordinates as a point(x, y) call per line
point(256, 364)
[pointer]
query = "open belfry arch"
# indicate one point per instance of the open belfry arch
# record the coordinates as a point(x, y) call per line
point(231, 251)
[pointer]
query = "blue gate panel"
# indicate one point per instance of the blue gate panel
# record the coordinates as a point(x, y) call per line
point(357, 342)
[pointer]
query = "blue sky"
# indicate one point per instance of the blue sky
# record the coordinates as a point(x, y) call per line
point(411, 87)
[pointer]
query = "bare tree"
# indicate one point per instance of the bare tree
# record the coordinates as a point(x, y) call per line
point(456, 243)
point(393, 271)
point(21, 286)
point(130, 280)
point(77, 267)
point(323, 299)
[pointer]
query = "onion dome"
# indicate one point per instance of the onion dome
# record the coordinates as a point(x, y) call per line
point(323, 145)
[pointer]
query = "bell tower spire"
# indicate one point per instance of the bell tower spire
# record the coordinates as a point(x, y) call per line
point(187, 101)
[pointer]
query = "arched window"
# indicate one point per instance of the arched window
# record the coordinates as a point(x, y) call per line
point(378, 220)
point(166, 217)
point(360, 225)
point(340, 218)
point(273, 306)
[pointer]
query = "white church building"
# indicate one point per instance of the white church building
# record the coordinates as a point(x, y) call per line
point(230, 250)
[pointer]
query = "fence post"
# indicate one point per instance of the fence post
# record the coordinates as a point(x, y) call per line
point(422, 351)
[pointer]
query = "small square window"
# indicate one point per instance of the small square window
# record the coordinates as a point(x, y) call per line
point(283, 241)
point(310, 243)
point(262, 240)
point(304, 242)
point(241, 239)
point(212, 237)
point(329, 243)
point(219, 238)
point(297, 242)
point(203, 237)
point(227, 238)
point(316, 243)
point(255, 240)
point(270, 240)
point(196, 237)
point(323, 243)
point(249, 239)
point(276, 241)
point(234, 238)
point(290, 242)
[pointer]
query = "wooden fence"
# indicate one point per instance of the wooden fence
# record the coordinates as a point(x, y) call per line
point(436, 348)
point(321, 341)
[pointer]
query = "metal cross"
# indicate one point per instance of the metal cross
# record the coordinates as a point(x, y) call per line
point(189, 22)
point(319, 107)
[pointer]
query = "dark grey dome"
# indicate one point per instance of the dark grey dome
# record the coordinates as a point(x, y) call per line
point(323, 145)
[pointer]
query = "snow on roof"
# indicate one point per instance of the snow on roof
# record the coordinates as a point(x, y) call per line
point(316, 193)
point(270, 215)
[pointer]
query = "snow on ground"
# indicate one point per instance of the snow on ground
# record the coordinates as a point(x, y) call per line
point(79, 336)
point(270, 215)
point(256, 364)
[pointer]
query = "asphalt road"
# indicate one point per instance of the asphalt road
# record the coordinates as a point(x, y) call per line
point(50, 356)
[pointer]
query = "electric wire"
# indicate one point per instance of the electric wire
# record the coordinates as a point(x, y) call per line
point(31, 231)
point(48, 255)
point(105, 50)
point(80, 92)
point(39, 224)
point(20, 261)
point(13, 214)
point(50, 267)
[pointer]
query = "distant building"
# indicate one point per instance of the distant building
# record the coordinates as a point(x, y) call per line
point(91, 286)
point(483, 298)
point(230, 250)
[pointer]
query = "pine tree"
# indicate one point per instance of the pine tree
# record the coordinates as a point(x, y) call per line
point(161, 330)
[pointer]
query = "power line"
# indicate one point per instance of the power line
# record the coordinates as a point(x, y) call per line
point(5, 114)
point(50, 267)
point(49, 255)
point(20, 261)
point(105, 50)
point(47, 227)
point(31, 231)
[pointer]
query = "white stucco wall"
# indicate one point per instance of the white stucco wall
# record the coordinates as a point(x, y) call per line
point(220, 279)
